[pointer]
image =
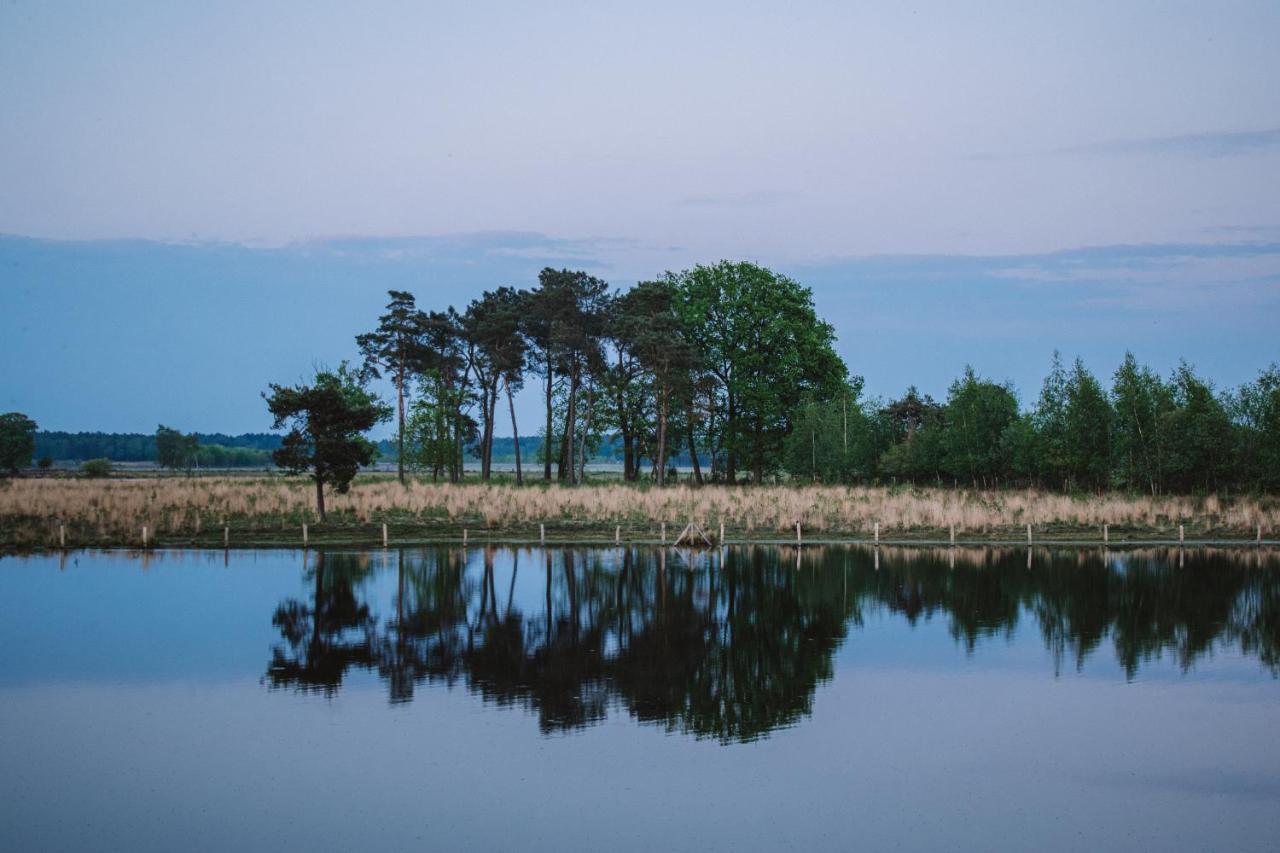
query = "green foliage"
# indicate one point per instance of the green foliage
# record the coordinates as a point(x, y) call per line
point(759, 337)
point(44, 463)
point(1256, 415)
point(977, 414)
point(176, 451)
point(399, 347)
point(96, 468)
point(327, 420)
point(1199, 453)
point(17, 441)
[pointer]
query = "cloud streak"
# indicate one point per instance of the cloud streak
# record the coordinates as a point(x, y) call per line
point(1207, 146)
point(756, 198)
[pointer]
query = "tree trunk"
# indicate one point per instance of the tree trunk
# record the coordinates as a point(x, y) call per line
point(570, 421)
point(400, 405)
point(546, 464)
point(488, 405)
point(693, 452)
point(515, 432)
point(731, 461)
point(661, 455)
point(320, 497)
point(586, 431)
point(757, 452)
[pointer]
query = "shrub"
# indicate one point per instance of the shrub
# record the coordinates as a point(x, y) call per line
point(96, 468)
point(45, 463)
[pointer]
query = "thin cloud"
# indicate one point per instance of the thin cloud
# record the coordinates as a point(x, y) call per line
point(757, 198)
point(1197, 145)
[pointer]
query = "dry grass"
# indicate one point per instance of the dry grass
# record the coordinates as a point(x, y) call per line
point(112, 511)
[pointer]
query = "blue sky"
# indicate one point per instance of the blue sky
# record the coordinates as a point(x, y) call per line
point(203, 198)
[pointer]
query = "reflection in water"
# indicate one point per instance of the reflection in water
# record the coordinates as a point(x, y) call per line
point(735, 645)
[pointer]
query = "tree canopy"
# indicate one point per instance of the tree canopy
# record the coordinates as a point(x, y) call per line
point(327, 420)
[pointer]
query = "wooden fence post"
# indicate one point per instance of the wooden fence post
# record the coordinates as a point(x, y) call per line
point(617, 534)
point(304, 535)
point(1028, 534)
point(664, 533)
point(226, 537)
point(877, 533)
point(953, 535)
point(542, 533)
point(144, 536)
point(1182, 534)
point(384, 534)
point(1106, 538)
point(62, 536)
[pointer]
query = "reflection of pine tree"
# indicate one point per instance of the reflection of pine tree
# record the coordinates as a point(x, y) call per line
point(326, 638)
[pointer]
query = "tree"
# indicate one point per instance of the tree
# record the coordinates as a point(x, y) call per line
point(174, 450)
point(1087, 434)
point(977, 414)
point(1142, 403)
point(1050, 422)
point(495, 356)
point(396, 346)
point(327, 420)
point(1256, 410)
point(17, 441)
point(564, 323)
point(1201, 428)
point(661, 344)
point(757, 333)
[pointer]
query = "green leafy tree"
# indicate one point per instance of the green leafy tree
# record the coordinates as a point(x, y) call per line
point(1049, 459)
point(397, 348)
point(1256, 410)
point(757, 334)
point(327, 420)
point(176, 451)
point(1087, 430)
point(17, 441)
point(1142, 403)
point(1199, 455)
point(977, 414)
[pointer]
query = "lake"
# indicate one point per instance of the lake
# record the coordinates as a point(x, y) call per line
point(756, 698)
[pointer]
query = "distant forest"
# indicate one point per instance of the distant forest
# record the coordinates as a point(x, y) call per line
point(217, 450)
point(249, 450)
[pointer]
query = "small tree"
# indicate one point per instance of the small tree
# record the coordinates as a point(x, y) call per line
point(174, 450)
point(328, 419)
point(17, 441)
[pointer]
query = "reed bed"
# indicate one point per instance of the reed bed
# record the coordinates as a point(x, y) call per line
point(113, 511)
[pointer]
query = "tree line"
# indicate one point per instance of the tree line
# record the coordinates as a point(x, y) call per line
point(216, 450)
point(1144, 433)
point(713, 362)
point(730, 367)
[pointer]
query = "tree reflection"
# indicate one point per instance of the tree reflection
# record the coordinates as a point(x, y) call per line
point(325, 638)
point(736, 650)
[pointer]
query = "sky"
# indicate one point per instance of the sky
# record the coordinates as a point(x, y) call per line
point(199, 199)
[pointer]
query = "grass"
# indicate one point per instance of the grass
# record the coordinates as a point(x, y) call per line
point(270, 510)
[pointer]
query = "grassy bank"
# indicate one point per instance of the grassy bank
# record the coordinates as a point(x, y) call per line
point(265, 511)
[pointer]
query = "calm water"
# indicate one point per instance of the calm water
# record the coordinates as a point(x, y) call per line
point(632, 699)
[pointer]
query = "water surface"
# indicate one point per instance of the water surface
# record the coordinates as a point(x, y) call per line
point(636, 699)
